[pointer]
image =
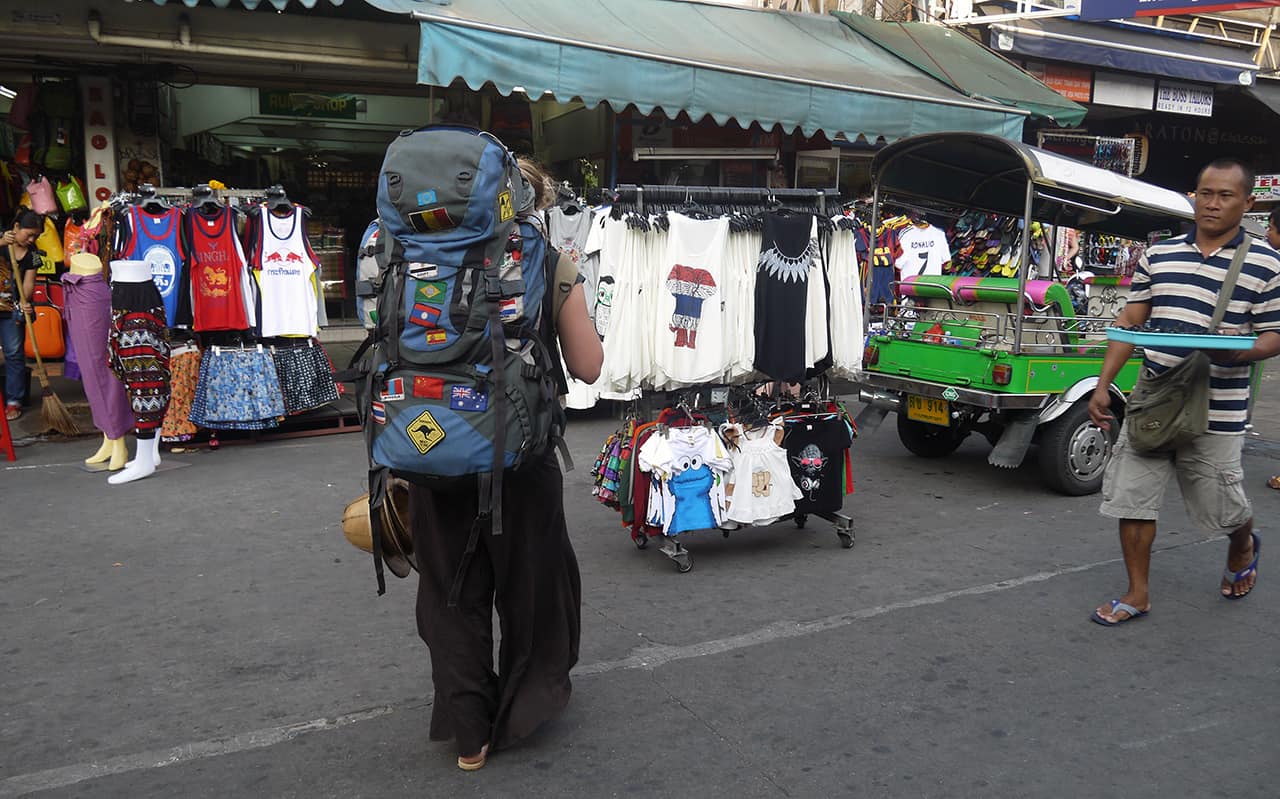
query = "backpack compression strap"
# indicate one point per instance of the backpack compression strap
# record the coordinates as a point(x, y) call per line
point(489, 485)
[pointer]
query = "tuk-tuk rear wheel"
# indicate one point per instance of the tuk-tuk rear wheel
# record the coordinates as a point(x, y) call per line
point(928, 440)
point(1073, 452)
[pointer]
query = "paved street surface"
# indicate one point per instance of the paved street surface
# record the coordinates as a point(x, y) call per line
point(208, 632)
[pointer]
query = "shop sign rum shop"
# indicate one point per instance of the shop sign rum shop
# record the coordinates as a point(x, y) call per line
point(311, 105)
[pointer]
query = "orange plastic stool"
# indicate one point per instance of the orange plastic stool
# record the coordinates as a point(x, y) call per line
point(6, 438)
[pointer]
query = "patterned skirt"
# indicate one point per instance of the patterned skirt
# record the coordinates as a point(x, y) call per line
point(184, 370)
point(237, 389)
point(139, 352)
point(306, 379)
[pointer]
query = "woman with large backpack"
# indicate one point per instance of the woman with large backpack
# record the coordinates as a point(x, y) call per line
point(529, 573)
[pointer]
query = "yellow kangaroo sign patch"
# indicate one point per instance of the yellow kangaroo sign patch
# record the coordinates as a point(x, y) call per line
point(425, 432)
point(506, 210)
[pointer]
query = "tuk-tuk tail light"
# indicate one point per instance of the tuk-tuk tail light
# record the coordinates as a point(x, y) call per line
point(1002, 374)
point(870, 355)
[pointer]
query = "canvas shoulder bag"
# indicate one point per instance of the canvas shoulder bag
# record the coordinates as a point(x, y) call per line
point(1165, 411)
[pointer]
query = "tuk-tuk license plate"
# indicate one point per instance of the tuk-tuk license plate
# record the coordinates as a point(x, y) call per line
point(928, 410)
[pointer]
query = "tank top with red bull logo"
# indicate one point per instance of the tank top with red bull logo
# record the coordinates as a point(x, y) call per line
point(156, 239)
point(286, 271)
point(221, 297)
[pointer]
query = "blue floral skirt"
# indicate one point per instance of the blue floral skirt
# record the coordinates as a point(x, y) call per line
point(238, 389)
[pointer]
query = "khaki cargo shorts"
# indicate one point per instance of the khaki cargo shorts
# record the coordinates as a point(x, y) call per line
point(1209, 476)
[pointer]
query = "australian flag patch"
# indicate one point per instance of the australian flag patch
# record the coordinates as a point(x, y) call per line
point(466, 398)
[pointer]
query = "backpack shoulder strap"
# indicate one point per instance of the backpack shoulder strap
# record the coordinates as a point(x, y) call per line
point(564, 276)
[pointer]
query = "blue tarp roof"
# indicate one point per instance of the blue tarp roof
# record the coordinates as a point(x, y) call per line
point(1112, 47)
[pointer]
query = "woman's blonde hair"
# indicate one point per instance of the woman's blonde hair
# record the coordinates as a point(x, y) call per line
point(536, 174)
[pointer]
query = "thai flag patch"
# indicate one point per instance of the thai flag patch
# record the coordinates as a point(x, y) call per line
point(378, 411)
point(424, 315)
point(466, 398)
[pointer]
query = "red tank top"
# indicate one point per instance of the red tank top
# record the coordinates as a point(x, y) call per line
point(218, 278)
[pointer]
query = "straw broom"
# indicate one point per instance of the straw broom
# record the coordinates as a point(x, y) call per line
point(52, 412)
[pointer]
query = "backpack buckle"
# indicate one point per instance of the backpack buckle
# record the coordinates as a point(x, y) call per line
point(493, 287)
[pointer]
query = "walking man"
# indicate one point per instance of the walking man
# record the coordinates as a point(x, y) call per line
point(1178, 281)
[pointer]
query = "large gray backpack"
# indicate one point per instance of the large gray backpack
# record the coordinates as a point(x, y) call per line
point(457, 378)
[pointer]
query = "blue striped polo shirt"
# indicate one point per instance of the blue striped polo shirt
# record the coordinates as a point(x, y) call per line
point(1182, 286)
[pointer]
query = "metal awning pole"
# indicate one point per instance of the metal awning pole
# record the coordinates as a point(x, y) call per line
point(871, 254)
point(1024, 267)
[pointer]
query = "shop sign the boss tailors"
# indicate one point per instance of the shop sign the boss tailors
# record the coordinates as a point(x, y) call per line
point(99, 138)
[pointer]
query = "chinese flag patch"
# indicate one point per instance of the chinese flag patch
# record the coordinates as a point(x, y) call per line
point(425, 387)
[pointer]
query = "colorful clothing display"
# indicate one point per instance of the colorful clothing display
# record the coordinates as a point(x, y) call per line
point(184, 372)
point(285, 269)
point(221, 293)
point(87, 306)
point(139, 352)
point(306, 379)
point(156, 238)
point(237, 389)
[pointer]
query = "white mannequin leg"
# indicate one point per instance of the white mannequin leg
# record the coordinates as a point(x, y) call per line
point(144, 462)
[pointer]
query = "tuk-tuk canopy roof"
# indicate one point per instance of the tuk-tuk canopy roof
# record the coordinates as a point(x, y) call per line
point(989, 173)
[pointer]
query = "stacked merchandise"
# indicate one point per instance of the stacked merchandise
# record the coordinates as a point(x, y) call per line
point(690, 297)
point(726, 468)
point(242, 308)
point(987, 245)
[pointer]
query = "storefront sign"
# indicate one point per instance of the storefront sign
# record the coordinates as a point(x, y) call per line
point(1267, 188)
point(1072, 83)
point(311, 105)
point(1125, 91)
point(1184, 98)
point(1125, 9)
point(652, 131)
point(99, 138)
point(1212, 136)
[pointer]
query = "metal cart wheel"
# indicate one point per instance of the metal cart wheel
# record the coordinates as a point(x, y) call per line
point(684, 563)
point(800, 519)
point(642, 542)
point(846, 539)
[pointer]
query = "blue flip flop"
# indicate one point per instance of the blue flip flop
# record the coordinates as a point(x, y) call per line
point(1117, 605)
point(1251, 569)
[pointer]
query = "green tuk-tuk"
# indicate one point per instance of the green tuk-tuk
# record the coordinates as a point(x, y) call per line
point(1005, 357)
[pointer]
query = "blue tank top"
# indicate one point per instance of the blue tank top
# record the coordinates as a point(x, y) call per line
point(156, 240)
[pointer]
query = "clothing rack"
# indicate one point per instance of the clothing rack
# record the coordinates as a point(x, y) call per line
point(726, 195)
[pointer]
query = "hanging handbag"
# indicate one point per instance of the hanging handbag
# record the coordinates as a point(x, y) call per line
point(41, 192)
point(1167, 410)
point(49, 243)
point(70, 194)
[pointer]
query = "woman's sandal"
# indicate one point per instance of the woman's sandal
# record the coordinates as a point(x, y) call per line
point(1274, 481)
point(12, 413)
point(474, 763)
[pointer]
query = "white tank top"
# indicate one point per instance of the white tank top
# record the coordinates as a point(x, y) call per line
point(689, 345)
point(286, 276)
